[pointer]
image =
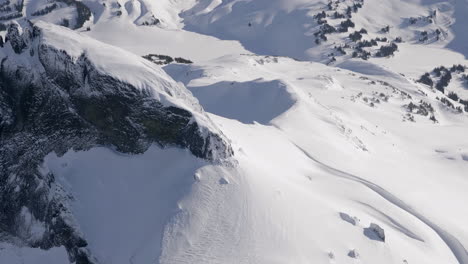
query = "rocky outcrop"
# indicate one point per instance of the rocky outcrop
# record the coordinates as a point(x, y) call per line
point(378, 231)
point(353, 254)
point(18, 37)
point(52, 102)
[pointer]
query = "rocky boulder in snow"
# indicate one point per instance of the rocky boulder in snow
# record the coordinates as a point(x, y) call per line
point(353, 253)
point(349, 219)
point(375, 232)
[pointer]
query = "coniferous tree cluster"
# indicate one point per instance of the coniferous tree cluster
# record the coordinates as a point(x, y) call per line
point(465, 103)
point(164, 59)
point(45, 10)
point(355, 36)
point(19, 6)
point(65, 22)
point(345, 25)
point(426, 79)
point(385, 29)
point(84, 13)
point(5, 7)
point(453, 96)
point(386, 51)
point(398, 40)
point(444, 74)
point(11, 16)
point(444, 81)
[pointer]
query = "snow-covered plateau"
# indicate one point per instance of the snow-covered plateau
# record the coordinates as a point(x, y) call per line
point(233, 131)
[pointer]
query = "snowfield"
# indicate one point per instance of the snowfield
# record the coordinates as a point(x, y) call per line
point(345, 161)
point(372, 146)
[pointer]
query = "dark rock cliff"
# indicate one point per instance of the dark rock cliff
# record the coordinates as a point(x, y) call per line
point(53, 103)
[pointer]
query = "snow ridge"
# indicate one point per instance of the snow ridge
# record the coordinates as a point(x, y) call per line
point(293, 131)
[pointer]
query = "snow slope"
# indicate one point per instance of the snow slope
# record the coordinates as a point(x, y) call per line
point(20, 255)
point(287, 27)
point(332, 136)
point(308, 180)
point(119, 64)
point(123, 202)
point(320, 152)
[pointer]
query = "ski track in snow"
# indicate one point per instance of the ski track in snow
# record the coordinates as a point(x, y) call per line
point(451, 241)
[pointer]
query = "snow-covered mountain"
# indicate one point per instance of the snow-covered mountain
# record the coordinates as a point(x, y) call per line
point(253, 131)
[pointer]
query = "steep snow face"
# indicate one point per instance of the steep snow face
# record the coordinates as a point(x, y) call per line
point(59, 92)
point(115, 62)
point(122, 202)
point(79, 64)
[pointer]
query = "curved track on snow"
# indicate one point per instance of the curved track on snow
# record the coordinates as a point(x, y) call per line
point(457, 248)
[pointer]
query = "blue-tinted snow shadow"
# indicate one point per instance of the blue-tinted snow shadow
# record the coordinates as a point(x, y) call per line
point(248, 102)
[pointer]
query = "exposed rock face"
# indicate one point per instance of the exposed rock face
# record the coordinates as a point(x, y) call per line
point(50, 102)
point(18, 39)
point(378, 231)
point(349, 219)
